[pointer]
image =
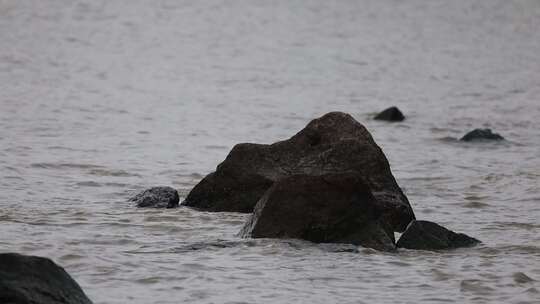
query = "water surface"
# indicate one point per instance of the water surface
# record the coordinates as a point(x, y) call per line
point(100, 99)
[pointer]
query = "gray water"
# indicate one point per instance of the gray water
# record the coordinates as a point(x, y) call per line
point(101, 99)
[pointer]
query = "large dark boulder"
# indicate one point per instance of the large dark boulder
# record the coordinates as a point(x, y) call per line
point(157, 197)
point(330, 208)
point(427, 235)
point(36, 280)
point(391, 114)
point(481, 135)
point(333, 143)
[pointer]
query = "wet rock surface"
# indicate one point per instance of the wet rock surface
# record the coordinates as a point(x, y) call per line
point(333, 143)
point(481, 135)
point(390, 114)
point(330, 208)
point(30, 279)
point(427, 235)
point(157, 197)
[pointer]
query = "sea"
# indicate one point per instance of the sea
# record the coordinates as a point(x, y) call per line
point(102, 99)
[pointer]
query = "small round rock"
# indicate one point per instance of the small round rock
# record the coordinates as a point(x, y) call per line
point(391, 114)
point(481, 135)
point(157, 197)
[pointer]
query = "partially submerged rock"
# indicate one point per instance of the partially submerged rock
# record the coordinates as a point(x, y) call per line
point(157, 197)
point(390, 114)
point(333, 143)
point(330, 208)
point(427, 235)
point(481, 135)
point(31, 279)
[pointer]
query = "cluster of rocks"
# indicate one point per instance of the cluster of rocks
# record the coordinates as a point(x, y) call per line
point(393, 114)
point(329, 183)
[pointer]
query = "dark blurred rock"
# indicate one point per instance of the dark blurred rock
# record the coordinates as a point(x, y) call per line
point(480, 135)
point(36, 280)
point(390, 114)
point(427, 235)
point(521, 278)
point(330, 208)
point(157, 197)
point(333, 143)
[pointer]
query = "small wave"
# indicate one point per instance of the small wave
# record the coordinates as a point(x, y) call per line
point(71, 257)
point(60, 148)
point(475, 286)
point(110, 172)
point(526, 226)
point(399, 264)
point(117, 185)
point(149, 280)
point(198, 246)
point(439, 275)
point(426, 178)
point(88, 184)
point(480, 144)
point(442, 130)
point(189, 175)
point(18, 149)
point(64, 166)
point(216, 147)
point(13, 169)
point(511, 249)
point(448, 139)
point(431, 300)
point(475, 205)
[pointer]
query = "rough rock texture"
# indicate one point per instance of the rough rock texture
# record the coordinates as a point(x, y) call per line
point(157, 197)
point(390, 114)
point(33, 280)
point(333, 143)
point(330, 208)
point(481, 134)
point(427, 235)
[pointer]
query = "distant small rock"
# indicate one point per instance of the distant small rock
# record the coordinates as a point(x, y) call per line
point(32, 279)
point(157, 197)
point(390, 114)
point(427, 235)
point(330, 208)
point(481, 134)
